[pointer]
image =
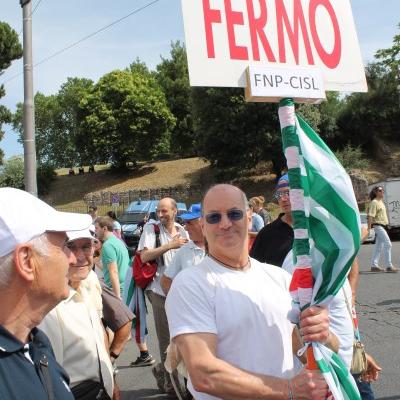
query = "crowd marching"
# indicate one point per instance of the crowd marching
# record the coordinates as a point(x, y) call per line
point(219, 292)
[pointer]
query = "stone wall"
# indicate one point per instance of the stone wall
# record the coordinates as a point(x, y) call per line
point(186, 193)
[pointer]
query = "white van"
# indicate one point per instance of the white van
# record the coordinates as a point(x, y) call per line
point(391, 198)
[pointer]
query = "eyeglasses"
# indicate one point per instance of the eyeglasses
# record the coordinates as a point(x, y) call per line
point(215, 217)
point(87, 248)
point(279, 195)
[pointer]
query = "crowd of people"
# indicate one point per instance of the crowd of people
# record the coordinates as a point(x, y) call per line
point(220, 300)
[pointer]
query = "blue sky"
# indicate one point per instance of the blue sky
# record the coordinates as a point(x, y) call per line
point(147, 35)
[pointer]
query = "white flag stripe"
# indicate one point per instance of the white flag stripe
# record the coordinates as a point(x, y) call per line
point(287, 116)
point(297, 199)
point(292, 157)
point(300, 233)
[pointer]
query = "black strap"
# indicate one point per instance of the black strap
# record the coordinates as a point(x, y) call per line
point(158, 243)
point(44, 369)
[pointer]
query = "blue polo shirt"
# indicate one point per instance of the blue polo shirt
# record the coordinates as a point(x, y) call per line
point(23, 376)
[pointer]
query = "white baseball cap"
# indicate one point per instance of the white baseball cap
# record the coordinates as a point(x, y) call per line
point(87, 233)
point(23, 217)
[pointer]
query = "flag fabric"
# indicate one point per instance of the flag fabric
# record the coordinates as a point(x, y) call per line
point(327, 232)
point(133, 297)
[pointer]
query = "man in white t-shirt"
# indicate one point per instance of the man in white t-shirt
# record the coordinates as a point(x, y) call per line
point(229, 315)
point(172, 237)
point(192, 252)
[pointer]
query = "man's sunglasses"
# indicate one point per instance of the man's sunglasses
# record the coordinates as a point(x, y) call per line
point(278, 195)
point(215, 217)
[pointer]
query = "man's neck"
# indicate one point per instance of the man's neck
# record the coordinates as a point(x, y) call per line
point(200, 243)
point(107, 235)
point(232, 262)
point(288, 218)
point(170, 227)
point(19, 317)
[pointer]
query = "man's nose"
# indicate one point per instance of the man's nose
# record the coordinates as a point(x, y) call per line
point(70, 256)
point(225, 221)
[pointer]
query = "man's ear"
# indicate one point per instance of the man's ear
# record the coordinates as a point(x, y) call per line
point(24, 262)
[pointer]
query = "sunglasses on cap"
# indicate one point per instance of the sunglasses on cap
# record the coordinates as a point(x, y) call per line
point(215, 217)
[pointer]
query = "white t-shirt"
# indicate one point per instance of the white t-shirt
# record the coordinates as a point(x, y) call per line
point(188, 255)
point(247, 310)
point(339, 317)
point(148, 240)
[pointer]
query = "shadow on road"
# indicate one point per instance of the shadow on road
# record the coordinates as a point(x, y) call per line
point(387, 303)
point(151, 394)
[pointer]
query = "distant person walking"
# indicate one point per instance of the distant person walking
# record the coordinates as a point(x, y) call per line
point(377, 218)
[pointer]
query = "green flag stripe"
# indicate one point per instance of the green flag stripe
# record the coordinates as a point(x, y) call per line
point(327, 197)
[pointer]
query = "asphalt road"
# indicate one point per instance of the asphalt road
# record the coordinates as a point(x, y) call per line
point(379, 318)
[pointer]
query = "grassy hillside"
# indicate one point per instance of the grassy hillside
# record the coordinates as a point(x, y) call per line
point(67, 192)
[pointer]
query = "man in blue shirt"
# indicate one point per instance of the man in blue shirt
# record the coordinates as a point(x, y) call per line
point(34, 263)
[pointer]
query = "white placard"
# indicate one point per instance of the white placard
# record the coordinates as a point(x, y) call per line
point(224, 37)
point(304, 85)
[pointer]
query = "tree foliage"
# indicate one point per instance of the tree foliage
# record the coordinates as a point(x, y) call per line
point(126, 117)
point(10, 49)
point(57, 125)
point(173, 76)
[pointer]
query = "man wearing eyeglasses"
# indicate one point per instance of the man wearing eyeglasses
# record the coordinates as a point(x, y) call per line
point(229, 315)
point(75, 329)
point(275, 240)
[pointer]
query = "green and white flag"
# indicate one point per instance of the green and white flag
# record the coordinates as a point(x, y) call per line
point(327, 232)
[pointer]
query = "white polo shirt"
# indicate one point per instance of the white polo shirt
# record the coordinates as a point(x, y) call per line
point(188, 255)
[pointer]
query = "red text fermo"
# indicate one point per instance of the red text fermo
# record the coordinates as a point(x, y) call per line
point(259, 40)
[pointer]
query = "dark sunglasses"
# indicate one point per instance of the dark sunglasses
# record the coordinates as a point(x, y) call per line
point(215, 217)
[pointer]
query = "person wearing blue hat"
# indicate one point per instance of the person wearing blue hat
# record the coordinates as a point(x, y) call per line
point(275, 240)
point(189, 254)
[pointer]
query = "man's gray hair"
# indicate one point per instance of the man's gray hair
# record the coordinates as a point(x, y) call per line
point(39, 243)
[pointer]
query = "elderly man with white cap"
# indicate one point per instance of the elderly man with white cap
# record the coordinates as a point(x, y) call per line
point(192, 252)
point(75, 329)
point(34, 262)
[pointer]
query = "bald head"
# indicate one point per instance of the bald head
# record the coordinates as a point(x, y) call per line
point(225, 190)
point(166, 211)
point(225, 223)
point(167, 202)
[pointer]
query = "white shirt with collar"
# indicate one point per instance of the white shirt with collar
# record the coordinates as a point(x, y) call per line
point(74, 329)
point(148, 240)
point(188, 255)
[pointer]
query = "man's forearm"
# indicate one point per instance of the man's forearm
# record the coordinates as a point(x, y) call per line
point(228, 382)
point(152, 254)
point(115, 282)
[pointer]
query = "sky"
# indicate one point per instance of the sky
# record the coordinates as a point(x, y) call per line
point(146, 34)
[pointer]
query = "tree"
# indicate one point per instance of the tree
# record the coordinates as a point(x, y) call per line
point(12, 173)
point(57, 125)
point(173, 76)
point(390, 57)
point(10, 49)
point(126, 116)
point(371, 119)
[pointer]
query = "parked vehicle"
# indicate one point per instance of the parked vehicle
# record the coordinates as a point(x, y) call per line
point(136, 215)
point(364, 224)
point(391, 198)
